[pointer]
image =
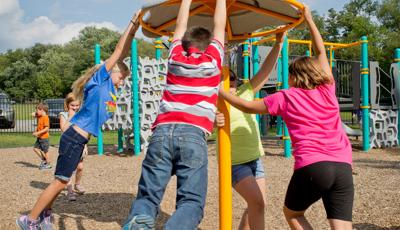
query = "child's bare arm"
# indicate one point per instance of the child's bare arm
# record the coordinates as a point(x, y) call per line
point(220, 21)
point(182, 20)
point(317, 42)
point(252, 107)
point(124, 42)
point(259, 80)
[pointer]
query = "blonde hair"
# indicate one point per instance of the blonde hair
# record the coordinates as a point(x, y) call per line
point(79, 85)
point(306, 73)
point(68, 99)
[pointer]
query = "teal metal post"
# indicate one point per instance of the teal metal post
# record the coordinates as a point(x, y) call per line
point(308, 53)
point(256, 67)
point(278, 88)
point(397, 60)
point(246, 55)
point(365, 92)
point(285, 85)
point(120, 141)
point(135, 97)
point(158, 46)
point(100, 149)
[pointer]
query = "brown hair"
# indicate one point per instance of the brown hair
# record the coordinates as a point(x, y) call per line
point(70, 98)
point(198, 37)
point(43, 106)
point(79, 85)
point(306, 73)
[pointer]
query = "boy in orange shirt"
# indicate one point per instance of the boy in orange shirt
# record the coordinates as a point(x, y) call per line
point(41, 147)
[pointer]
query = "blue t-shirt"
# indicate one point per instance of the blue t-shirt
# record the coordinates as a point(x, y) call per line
point(99, 102)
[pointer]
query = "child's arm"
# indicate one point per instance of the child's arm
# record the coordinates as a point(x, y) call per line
point(219, 120)
point(182, 20)
point(318, 43)
point(124, 42)
point(40, 132)
point(259, 80)
point(63, 122)
point(220, 21)
point(254, 107)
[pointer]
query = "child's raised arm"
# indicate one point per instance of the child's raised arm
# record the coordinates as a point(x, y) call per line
point(220, 21)
point(259, 80)
point(182, 20)
point(317, 42)
point(124, 42)
point(252, 107)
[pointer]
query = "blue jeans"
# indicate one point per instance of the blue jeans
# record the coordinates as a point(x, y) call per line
point(253, 168)
point(181, 150)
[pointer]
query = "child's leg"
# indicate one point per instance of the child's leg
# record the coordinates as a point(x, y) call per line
point(296, 219)
point(47, 198)
point(39, 153)
point(253, 191)
point(191, 171)
point(79, 173)
point(156, 173)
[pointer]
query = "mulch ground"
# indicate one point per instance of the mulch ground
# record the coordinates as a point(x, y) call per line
point(111, 184)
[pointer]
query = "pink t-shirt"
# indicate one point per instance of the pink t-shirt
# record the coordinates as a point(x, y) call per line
point(314, 124)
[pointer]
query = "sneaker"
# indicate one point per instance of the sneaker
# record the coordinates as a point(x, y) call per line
point(24, 223)
point(41, 164)
point(71, 196)
point(46, 220)
point(79, 189)
point(45, 166)
point(140, 222)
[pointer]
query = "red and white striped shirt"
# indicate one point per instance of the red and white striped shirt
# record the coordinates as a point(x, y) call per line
point(191, 93)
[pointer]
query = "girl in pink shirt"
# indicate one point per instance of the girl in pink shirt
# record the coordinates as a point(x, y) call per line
point(322, 151)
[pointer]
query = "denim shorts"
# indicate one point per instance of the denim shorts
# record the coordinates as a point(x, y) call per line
point(253, 168)
point(42, 144)
point(71, 147)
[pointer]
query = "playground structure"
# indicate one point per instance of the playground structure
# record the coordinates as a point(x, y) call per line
point(139, 113)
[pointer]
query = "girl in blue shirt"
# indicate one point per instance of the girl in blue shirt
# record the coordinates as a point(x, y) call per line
point(96, 88)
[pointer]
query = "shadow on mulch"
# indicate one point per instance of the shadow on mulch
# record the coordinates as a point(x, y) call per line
point(26, 164)
point(366, 226)
point(101, 207)
point(379, 164)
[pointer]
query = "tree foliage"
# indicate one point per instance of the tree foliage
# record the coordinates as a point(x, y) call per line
point(48, 71)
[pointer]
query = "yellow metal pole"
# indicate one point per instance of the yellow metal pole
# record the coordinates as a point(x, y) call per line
point(224, 159)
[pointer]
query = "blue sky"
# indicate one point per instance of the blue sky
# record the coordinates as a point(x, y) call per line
point(25, 22)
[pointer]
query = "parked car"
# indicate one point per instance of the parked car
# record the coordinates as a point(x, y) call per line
point(7, 113)
point(56, 106)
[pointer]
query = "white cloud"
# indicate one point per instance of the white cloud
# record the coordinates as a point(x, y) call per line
point(15, 33)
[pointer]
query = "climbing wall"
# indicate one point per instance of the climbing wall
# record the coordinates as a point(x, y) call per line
point(383, 125)
point(152, 79)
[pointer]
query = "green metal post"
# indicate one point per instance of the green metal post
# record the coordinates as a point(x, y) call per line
point(365, 92)
point(285, 85)
point(246, 55)
point(278, 88)
point(135, 97)
point(158, 46)
point(120, 141)
point(256, 66)
point(397, 60)
point(100, 149)
point(308, 54)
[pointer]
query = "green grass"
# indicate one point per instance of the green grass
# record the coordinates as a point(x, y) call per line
point(14, 140)
point(24, 111)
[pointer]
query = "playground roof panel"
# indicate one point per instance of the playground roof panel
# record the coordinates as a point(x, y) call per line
point(245, 16)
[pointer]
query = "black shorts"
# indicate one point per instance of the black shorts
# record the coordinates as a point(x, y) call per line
point(331, 181)
point(42, 144)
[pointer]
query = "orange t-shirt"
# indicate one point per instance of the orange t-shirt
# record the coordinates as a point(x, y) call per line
point(43, 122)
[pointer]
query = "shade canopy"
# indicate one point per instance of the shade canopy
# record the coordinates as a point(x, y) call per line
point(246, 18)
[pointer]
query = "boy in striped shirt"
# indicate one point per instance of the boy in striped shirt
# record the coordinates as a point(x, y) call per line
point(178, 145)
